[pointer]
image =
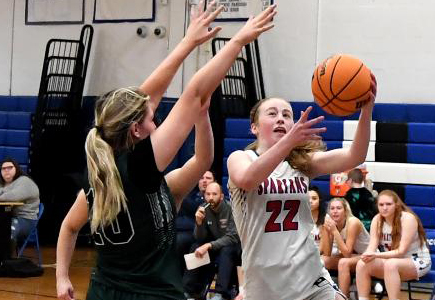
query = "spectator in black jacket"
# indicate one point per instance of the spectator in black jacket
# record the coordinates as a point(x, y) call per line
point(215, 233)
point(185, 221)
point(361, 200)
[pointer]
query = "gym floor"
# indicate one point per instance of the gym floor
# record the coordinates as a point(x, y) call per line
point(44, 287)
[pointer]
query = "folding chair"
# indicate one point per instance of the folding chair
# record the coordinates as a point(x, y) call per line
point(33, 237)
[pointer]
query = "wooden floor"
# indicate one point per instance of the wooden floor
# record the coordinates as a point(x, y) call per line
point(44, 287)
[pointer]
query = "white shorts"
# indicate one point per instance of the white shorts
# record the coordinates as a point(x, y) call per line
point(422, 264)
point(325, 289)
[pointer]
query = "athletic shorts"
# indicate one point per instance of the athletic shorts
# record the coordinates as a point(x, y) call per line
point(325, 289)
point(99, 291)
point(422, 264)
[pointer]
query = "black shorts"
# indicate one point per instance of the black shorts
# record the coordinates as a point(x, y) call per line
point(99, 291)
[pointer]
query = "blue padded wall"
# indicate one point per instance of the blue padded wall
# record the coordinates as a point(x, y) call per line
point(18, 103)
point(426, 215)
point(421, 133)
point(421, 195)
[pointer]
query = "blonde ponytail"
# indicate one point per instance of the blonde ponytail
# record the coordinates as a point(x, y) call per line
point(114, 113)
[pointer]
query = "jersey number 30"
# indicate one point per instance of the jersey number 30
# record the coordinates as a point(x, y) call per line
point(275, 206)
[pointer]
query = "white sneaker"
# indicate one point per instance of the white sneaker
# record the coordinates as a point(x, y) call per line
point(378, 288)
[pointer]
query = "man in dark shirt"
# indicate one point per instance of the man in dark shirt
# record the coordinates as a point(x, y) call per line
point(216, 233)
point(361, 200)
point(185, 221)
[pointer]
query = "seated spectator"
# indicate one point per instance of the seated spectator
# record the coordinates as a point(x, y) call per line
point(16, 186)
point(398, 232)
point(185, 221)
point(360, 199)
point(343, 239)
point(215, 233)
point(318, 212)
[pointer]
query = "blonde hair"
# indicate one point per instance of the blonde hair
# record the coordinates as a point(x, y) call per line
point(396, 232)
point(347, 210)
point(299, 157)
point(114, 113)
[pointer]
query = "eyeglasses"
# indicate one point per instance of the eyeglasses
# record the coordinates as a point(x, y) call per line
point(7, 168)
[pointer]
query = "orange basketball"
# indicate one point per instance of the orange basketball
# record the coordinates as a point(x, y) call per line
point(341, 84)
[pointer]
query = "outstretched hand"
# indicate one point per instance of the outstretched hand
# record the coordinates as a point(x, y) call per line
point(199, 29)
point(302, 130)
point(256, 26)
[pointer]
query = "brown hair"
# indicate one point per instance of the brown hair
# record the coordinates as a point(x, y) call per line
point(356, 175)
point(322, 206)
point(299, 157)
point(396, 232)
point(18, 171)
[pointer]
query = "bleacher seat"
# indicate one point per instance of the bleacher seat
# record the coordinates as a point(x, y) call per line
point(20, 154)
point(18, 103)
point(426, 214)
point(16, 138)
point(15, 120)
point(420, 195)
point(421, 132)
point(15, 123)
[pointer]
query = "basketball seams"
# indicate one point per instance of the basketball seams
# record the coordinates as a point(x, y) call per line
point(319, 99)
point(353, 99)
point(336, 76)
point(343, 109)
point(330, 84)
point(320, 86)
point(350, 80)
point(332, 79)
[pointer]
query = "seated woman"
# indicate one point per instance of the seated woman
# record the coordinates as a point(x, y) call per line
point(398, 232)
point(16, 186)
point(318, 212)
point(343, 239)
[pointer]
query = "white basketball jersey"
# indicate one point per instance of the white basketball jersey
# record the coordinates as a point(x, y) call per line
point(315, 233)
point(280, 259)
point(414, 248)
point(361, 242)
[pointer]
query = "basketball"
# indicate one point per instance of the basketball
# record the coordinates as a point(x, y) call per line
point(341, 85)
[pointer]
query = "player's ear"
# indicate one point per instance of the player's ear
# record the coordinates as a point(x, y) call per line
point(134, 130)
point(254, 129)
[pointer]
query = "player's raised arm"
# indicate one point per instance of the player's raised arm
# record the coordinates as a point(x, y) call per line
point(339, 160)
point(197, 33)
point(182, 180)
point(169, 136)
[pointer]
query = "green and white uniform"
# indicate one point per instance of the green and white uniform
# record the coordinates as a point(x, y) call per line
point(136, 256)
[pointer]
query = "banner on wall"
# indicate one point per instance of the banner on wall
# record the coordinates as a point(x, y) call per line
point(116, 11)
point(240, 10)
point(54, 12)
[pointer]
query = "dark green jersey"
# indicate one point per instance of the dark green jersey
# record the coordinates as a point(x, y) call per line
point(136, 253)
point(362, 204)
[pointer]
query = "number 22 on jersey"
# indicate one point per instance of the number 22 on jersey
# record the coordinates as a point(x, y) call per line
point(291, 207)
